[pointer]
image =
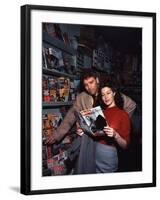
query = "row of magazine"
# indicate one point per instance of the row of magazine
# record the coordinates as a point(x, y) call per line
point(59, 89)
point(54, 58)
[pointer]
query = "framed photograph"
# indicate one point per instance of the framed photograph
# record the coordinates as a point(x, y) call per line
point(88, 99)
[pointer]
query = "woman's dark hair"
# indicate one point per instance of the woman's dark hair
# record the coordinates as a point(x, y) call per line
point(111, 82)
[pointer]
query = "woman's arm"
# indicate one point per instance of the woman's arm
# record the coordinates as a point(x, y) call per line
point(110, 132)
point(122, 132)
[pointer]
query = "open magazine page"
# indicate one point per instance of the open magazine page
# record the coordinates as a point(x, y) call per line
point(92, 121)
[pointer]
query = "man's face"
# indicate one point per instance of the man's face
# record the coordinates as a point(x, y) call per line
point(91, 85)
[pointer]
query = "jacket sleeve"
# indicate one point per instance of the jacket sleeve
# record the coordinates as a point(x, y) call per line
point(83, 101)
point(67, 122)
point(129, 105)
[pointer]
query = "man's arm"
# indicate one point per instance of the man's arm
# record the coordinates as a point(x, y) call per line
point(83, 101)
point(129, 105)
point(64, 127)
point(67, 122)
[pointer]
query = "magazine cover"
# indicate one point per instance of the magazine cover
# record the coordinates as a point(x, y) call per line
point(92, 121)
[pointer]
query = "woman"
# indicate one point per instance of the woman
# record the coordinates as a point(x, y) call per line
point(117, 131)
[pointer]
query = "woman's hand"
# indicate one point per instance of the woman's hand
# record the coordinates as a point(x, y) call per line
point(110, 132)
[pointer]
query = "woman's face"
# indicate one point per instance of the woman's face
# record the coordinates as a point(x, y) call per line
point(108, 96)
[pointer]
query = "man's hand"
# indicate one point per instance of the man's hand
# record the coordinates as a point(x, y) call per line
point(80, 132)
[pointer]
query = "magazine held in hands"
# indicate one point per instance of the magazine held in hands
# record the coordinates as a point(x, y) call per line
point(92, 121)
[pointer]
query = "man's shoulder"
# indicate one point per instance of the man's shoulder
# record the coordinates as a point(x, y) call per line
point(84, 101)
point(83, 95)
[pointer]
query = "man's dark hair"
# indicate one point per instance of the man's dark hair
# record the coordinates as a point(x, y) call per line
point(87, 73)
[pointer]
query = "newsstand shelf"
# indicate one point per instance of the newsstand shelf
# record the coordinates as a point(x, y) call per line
point(56, 104)
point(54, 72)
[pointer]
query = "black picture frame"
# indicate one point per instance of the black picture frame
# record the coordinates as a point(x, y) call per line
point(26, 88)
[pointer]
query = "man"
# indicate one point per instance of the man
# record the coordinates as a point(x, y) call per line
point(84, 146)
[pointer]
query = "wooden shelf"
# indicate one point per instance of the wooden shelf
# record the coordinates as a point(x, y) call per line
point(56, 104)
point(55, 72)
